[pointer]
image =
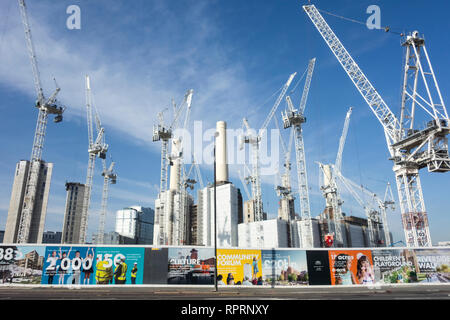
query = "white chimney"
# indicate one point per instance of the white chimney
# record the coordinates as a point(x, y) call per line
point(175, 166)
point(221, 152)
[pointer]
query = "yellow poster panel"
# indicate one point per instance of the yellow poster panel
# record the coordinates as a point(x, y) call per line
point(238, 266)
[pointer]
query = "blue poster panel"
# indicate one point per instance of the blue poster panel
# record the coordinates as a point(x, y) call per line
point(119, 265)
point(190, 265)
point(68, 265)
point(283, 268)
point(21, 264)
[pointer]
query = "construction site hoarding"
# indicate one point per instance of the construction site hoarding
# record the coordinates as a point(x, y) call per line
point(284, 267)
point(194, 265)
point(351, 267)
point(189, 265)
point(239, 267)
point(318, 267)
point(21, 264)
point(68, 265)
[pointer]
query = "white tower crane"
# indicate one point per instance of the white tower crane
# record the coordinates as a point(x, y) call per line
point(254, 141)
point(284, 189)
point(45, 107)
point(294, 118)
point(97, 148)
point(168, 217)
point(410, 149)
point(109, 176)
point(371, 214)
point(329, 186)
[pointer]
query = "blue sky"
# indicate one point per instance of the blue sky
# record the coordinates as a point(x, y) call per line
point(235, 55)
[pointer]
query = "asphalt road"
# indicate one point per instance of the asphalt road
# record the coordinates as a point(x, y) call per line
point(129, 292)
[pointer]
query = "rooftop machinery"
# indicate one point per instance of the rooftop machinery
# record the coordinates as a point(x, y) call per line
point(411, 149)
point(294, 118)
point(254, 140)
point(97, 148)
point(45, 107)
point(330, 189)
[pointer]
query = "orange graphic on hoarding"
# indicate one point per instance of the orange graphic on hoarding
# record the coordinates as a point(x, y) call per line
point(349, 267)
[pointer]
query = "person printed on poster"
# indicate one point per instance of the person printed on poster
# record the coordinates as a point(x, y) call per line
point(364, 272)
point(88, 271)
point(342, 266)
point(52, 267)
point(62, 273)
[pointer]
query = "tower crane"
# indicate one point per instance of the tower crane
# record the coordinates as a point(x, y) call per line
point(254, 140)
point(97, 148)
point(284, 189)
point(329, 186)
point(109, 176)
point(180, 209)
point(294, 118)
point(45, 107)
point(411, 149)
point(165, 133)
point(371, 214)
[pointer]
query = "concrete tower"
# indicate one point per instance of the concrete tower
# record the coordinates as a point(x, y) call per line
point(221, 153)
point(40, 206)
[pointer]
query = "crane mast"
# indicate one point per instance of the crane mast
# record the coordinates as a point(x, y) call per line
point(254, 141)
point(329, 186)
point(46, 107)
point(410, 149)
point(109, 176)
point(295, 118)
point(97, 148)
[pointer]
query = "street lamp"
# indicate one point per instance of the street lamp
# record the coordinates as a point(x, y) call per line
point(216, 134)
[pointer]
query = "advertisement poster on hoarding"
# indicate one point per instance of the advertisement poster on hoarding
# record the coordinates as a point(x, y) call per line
point(21, 264)
point(349, 267)
point(394, 266)
point(433, 265)
point(239, 267)
point(191, 266)
point(119, 265)
point(155, 266)
point(318, 267)
point(284, 267)
point(68, 265)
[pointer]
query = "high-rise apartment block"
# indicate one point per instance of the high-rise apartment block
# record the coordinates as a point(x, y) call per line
point(73, 212)
point(36, 228)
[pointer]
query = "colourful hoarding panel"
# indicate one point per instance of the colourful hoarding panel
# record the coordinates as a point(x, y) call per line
point(66, 265)
point(21, 264)
point(351, 267)
point(284, 267)
point(188, 265)
point(119, 265)
point(239, 266)
point(394, 266)
point(433, 265)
